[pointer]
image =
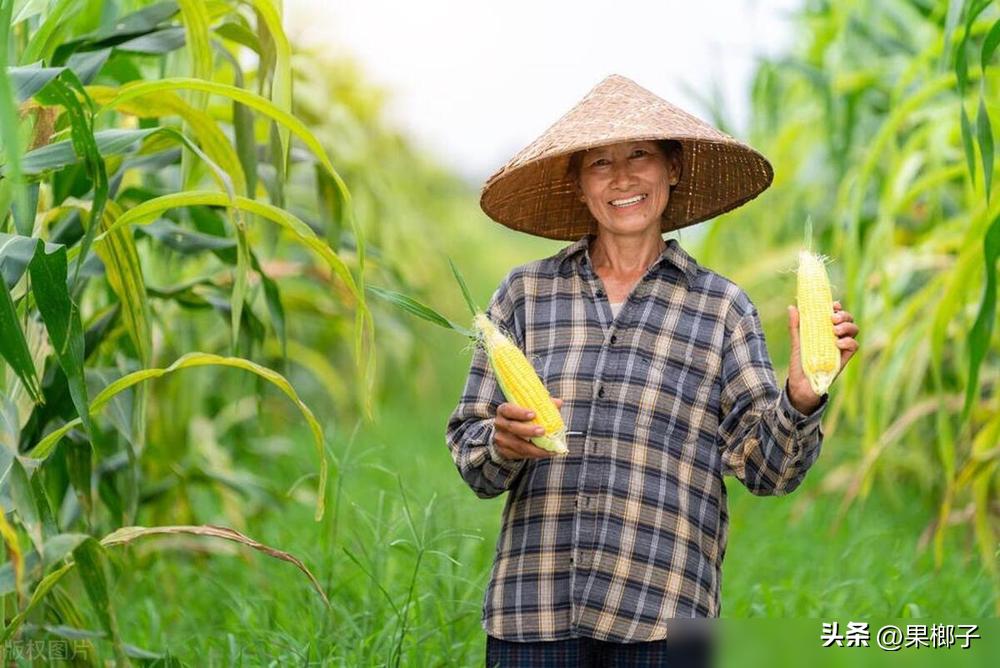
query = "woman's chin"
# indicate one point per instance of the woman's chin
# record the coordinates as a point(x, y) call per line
point(636, 227)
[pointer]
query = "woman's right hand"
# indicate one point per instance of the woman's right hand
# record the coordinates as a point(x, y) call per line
point(513, 429)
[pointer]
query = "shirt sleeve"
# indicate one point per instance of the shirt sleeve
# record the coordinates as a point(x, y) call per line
point(469, 433)
point(766, 443)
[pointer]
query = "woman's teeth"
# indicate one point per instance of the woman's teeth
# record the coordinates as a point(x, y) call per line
point(621, 203)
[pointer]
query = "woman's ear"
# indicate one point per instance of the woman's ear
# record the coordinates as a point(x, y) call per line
point(675, 169)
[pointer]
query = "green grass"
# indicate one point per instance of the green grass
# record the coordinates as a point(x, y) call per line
point(226, 610)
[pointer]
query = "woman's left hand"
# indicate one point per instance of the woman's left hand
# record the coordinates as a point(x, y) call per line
point(800, 392)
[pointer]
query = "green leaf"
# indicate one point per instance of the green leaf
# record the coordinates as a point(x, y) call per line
point(990, 45)
point(243, 128)
point(143, 21)
point(16, 252)
point(25, 218)
point(10, 123)
point(62, 321)
point(60, 154)
point(982, 329)
point(968, 143)
point(44, 40)
point(124, 273)
point(272, 297)
point(183, 240)
point(14, 347)
point(951, 21)
point(19, 487)
point(64, 90)
point(281, 83)
point(29, 80)
point(239, 33)
point(419, 309)
point(985, 133)
point(149, 210)
point(44, 447)
point(126, 535)
point(89, 557)
point(465, 288)
point(79, 466)
point(331, 208)
point(88, 64)
point(155, 43)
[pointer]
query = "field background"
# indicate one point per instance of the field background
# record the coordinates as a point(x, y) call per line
point(226, 342)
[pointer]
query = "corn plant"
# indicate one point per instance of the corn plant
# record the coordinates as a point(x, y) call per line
point(146, 149)
point(880, 125)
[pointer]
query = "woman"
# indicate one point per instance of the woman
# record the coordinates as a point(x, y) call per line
point(663, 379)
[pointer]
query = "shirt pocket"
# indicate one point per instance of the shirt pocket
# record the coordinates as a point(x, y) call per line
point(672, 397)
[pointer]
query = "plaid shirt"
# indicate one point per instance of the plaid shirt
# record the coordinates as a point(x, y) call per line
point(629, 529)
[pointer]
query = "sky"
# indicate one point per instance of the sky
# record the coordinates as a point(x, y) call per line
point(473, 82)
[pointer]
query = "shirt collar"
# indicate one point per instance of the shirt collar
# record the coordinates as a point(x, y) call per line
point(672, 254)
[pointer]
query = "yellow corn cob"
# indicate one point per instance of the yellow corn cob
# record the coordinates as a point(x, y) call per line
point(521, 385)
point(817, 340)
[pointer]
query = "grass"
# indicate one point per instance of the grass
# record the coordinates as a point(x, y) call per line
point(407, 565)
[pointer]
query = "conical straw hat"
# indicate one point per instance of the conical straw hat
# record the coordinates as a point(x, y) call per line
point(533, 192)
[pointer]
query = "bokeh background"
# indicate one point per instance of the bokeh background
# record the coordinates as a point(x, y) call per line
point(221, 445)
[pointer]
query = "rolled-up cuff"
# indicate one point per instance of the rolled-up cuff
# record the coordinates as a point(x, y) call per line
point(510, 465)
point(792, 420)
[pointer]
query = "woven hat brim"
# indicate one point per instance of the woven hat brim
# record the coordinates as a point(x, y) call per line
point(534, 193)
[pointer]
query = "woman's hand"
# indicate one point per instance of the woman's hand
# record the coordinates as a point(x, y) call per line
point(800, 392)
point(514, 428)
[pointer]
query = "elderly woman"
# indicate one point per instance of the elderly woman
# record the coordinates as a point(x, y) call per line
point(662, 376)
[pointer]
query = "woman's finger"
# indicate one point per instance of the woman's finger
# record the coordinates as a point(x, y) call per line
point(846, 329)
point(847, 343)
point(513, 447)
point(520, 429)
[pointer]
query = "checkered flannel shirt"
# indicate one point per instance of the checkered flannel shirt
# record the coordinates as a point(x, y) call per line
point(629, 529)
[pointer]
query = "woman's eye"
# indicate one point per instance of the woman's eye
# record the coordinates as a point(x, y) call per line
point(640, 152)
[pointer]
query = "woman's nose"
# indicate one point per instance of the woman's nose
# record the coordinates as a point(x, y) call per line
point(621, 175)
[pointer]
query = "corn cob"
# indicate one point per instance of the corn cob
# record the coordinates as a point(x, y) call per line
point(521, 385)
point(817, 340)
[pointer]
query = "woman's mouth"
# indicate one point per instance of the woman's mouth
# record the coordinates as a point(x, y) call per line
point(627, 202)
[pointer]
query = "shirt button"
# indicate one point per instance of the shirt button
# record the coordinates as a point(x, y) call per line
point(614, 339)
point(600, 392)
point(600, 293)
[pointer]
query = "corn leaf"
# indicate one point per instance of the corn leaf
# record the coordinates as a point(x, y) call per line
point(13, 546)
point(88, 64)
point(16, 252)
point(149, 210)
point(43, 41)
point(10, 122)
point(985, 133)
point(64, 90)
point(61, 154)
point(27, 81)
point(126, 535)
point(982, 329)
point(37, 596)
point(14, 347)
point(62, 321)
point(44, 447)
point(990, 45)
point(418, 309)
point(465, 288)
point(143, 21)
point(281, 84)
point(89, 558)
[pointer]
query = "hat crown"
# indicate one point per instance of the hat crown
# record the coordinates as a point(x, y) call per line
point(616, 109)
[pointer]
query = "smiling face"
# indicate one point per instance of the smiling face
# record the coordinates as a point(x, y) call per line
point(626, 186)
